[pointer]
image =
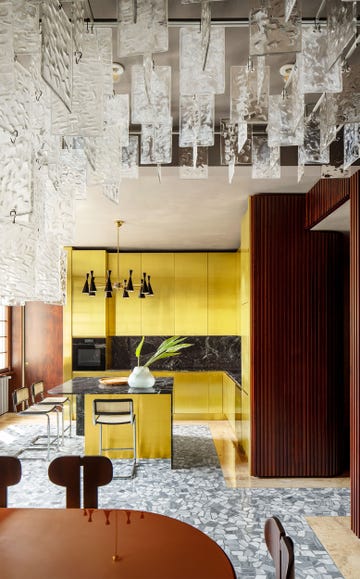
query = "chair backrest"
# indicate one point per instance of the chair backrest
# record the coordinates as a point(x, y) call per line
point(66, 471)
point(280, 547)
point(37, 390)
point(115, 406)
point(21, 396)
point(10, 474)
point(287, 558)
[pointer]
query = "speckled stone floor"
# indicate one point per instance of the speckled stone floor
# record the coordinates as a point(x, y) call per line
point(195, 491)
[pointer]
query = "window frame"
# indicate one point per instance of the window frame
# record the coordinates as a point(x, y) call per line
point(5, 315)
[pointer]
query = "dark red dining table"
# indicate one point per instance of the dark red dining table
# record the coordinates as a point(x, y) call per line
point(105, 544)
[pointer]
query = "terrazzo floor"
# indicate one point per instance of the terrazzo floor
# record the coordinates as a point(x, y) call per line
point(195, 491)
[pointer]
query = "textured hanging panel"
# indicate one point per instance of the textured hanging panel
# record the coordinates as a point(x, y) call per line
point(130, 159)
point(150, 102)
point(347, 103)
point(310, 151)
point(16, 177)
point(156, 144)
point(191, 167)
point(193, 78)
point(26, 26)
point(77, 19)
point(105, 52)
point(270, 33)
point(229, 144)
point(317, 76)
point(15, 109)
point(249, 94)
point(327, 120)
point(283, 129)
point(341, 19)
point(108, 155)
point(289, 7)
point(142, 27)
point(7, 80)
point(57, 51)
point(265, 159)
point(72, 172)
point(116, 114)
point(196, 121)
point(351, 144)
point(17, 263)
point(86, 116)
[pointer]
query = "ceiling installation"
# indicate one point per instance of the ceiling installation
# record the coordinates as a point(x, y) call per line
point(92, 90)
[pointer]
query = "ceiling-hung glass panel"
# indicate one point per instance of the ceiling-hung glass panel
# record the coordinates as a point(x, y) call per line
point(86, 116)
point(193, 164)
point(347, 102)
point(142, 27)
point(116, 114)
point(351, 144)
point(317, 76)
point(15, 108)
point(289, 6)
point(283, 127)
point(77, 19)
point(72, 172)
point(327, 120)
point(17, 263)
point(150, 102)
point(108, 155)
point(310, 152)
point(57, 51)
point(156, 144)
point(104, 43)
point(130, 159)
point(193, 78)
point(265, 159)
point(270, 33)
point(16, 176)
point(231, 150)
point(341, 21)
point(7, 80)
point(249, 93)
point(196, 121)
point(112, 191)
point(26, 26)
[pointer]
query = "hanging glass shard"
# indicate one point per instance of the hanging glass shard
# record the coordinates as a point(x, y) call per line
point(104, 41)
point(112, 191)
point(347, 102)
point(265, 159)
point(327, 120)
point(130, 159)
point(196, 121)
point(156, 144)
point(190, 169)
point(233, 150)
point(72, 172)
point(249, 94)
point(341, 27)
point(26, 26)
point(108, 155)
point(193, 78)
point(283, 126)
point(86, 116)
point(57, 212)
point(90, 151)
point(142, 27)
point(16, 177)
point(116, 114)
point(300, 171)
point(289, 6)
point(150, 103)
point(317, 76)
point(270, 33)
point(15, 108)
point(310, 151)
point(205, 31)
point(7, 80)
point(77, 18)
point(351, 144)
point(56, 63)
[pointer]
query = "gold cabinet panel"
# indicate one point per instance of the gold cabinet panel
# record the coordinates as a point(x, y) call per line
point(223, 292)
point(127, 311)
point(88, 312)
point(191, 392)
point(216, 392)
point(157, 312)
point(191, 294)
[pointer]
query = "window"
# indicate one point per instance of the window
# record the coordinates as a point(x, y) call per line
point(4, 339)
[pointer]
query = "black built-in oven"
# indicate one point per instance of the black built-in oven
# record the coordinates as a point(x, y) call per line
point(89, 354)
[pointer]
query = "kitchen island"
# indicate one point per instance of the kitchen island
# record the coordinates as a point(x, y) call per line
point(153, 408)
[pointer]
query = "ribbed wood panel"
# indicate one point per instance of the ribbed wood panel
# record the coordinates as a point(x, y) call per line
point(296, 342)
point(354, 360)
point(324, 198)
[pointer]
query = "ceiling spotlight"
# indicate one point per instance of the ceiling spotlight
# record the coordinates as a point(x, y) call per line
point(286, 70)
point(117, 71)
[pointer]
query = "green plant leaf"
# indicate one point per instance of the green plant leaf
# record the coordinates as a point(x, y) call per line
point(169, 347)
point(138, 349)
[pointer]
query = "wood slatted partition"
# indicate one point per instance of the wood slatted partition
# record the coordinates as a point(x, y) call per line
point(354, 360)
point(326, 196)
point(296, 345)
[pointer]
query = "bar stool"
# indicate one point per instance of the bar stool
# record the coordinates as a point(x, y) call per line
point(38, 396)
point(116, 412)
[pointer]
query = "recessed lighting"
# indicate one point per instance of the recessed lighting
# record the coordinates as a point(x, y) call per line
point(118, 70)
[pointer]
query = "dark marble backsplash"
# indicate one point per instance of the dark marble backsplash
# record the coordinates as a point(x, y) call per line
point(206, 353)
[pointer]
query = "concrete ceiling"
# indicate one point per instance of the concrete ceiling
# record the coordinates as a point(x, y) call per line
point(174, 214)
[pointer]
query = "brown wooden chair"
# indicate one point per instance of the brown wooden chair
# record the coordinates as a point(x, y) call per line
point(281, 548)
point(66, 471)
point(10, 474)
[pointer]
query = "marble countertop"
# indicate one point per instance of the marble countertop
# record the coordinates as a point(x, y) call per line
point(91, 385)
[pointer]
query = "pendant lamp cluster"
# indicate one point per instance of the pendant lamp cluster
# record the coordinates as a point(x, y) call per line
point(127, 285)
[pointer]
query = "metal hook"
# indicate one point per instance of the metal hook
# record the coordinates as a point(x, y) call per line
point(14, 134)
point(13, 215)
point(78, 56)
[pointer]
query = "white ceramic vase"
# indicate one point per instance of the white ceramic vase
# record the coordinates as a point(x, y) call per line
point(141, 377)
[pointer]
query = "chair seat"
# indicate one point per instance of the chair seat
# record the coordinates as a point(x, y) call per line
point(54, 400)
point(113, 419)
point(38, 409)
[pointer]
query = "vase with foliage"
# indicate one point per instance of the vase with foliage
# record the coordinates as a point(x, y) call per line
point(141, 376)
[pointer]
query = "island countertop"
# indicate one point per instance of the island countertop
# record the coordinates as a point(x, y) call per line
point(92, 385)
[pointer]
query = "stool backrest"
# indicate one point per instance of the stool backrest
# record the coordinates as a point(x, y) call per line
point(113, 406)
point(21, 396)
point(37, 390)
point(66, 471)
point(10, 474)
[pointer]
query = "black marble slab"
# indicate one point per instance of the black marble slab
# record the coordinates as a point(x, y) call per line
point(221, 353)
point(90, 385)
